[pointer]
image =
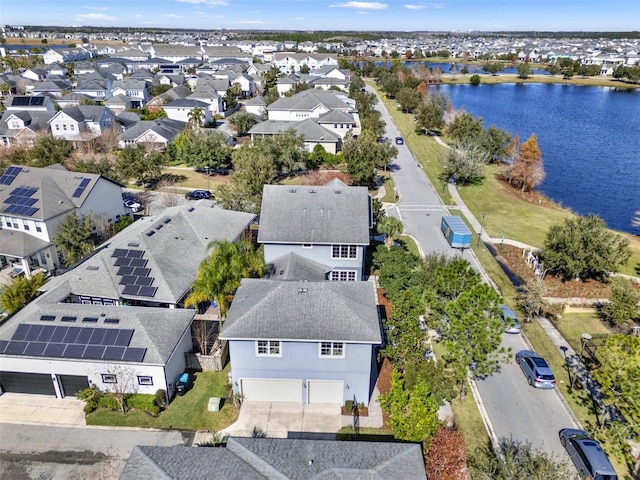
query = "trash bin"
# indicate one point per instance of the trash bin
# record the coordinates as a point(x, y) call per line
point(183, 384)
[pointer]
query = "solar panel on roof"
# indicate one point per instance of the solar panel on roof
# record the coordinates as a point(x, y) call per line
point(81, 188)
point(33, 333)
point(138, 262)
point(124, 337)
point(119, 252)
point(21, 332)
point(59, 334)
point(135, 253)
point(3, 345)
point(122, 262)
point(147, 291)
point(128, 280)
point(98, 335)
point(72, 334)
point(84, 335)
point(144, 281)
point(113, 353)
point(94, 352)
point(142, 272)
point(15, 347)
point(35, 348)
point(124, 271)
point(46, 332)
point(134, 354)
point(131, 290)
point(54, 350)
point(20, 101)
point(74, 351)
point(110, 337)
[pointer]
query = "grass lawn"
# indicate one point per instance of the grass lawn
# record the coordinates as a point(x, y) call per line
point(573, 325)
point(389, 186)
point(485, 79)
point(188, 412)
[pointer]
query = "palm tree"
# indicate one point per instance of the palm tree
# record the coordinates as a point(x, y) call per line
point(219, 274)
point(392, 228)
point(196, 117)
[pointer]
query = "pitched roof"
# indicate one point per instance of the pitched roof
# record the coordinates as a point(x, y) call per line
point(278, 458)
point(187, 229)
point(310, 99)
point(165, 127)
point(308, 128)
point(294, 267)
point(303, 311)
point(315, 214)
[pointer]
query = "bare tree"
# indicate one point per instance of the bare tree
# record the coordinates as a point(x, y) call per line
point(205, 334)
point(527, 172)
point(123, 381)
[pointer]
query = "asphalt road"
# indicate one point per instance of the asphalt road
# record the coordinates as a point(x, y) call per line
point(52, 453)
point(514, 409)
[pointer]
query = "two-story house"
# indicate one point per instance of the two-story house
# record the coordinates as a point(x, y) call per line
point(82, 123)
point(303, 342)
point(328, 224)
point(35, 201)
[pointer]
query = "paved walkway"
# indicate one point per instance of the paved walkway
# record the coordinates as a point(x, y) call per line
point(41, 410)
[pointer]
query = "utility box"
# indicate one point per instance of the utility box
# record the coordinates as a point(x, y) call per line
point(456, 232)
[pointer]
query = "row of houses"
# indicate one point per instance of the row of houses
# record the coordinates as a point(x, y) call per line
point(307, 333)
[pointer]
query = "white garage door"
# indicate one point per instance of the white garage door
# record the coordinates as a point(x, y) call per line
point(271, 390)
point(326, 391)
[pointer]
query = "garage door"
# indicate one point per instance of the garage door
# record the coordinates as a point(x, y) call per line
point(326, 391)
point(72, 384)
point(36, 383)
point(272, 390)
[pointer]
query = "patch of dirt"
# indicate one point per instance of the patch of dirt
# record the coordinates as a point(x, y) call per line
point(513, 257)
point(533, 197)
point(384, 383)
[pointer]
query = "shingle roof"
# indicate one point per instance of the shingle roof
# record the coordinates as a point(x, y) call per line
point(312, 214)
point(301, 310)
point(278, 458)
point(294, 267)
point(165, 127)
point(309, 99)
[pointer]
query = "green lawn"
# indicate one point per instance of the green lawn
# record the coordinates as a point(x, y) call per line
point(188, 412)
point(573, 325)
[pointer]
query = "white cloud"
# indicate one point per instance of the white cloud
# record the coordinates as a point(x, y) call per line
point(95, 8)
point(94, 17)
point(414, 7)
point(215, 3)
point(298, 18)
point(361, 5)
point(172, 15)
point(436, 5)
point(250, 22)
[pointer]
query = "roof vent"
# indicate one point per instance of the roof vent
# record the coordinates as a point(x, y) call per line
point(313, 191)
point(150, 233)
point(292, 190)
point(338, 192)
point(190, 209)
point(133, 244)
point(92, 267)
point(303, 290)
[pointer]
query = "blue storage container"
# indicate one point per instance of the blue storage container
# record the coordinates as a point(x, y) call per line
point(456, 232)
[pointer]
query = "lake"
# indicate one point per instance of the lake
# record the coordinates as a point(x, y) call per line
point(589, 138)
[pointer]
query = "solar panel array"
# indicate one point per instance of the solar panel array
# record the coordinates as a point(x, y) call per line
point(60, 341)
point(9, 175)
point(21, 201)
point(133, 272)
point(27, 101)
point(83, 185)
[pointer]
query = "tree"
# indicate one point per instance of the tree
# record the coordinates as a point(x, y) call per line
point(466, 129)
point(405, 340)
point(19, 292)
point(202, 149)
point(527, 171)
point(135, 162)
point(524, 70)
point(472, 333)
point(430, 115)
point(622, 307)
point(253, 169)
point(495, 143)
point(243, 122)
point(408, 98)
point(49, 150)
point(474, 79)
point(204, 335)
point(220, 273)
point(287, 150)
point(304, 69)
point(363, 155)
point(530, 298)
point(464, 163)
point(74, 237)
point(232, 95)
point(446, 456)
point(413, 415)
point(583, 248)
point(391, 228)
point(517, 462)
point(124, 385)
point(196, 117)
point(619, 378)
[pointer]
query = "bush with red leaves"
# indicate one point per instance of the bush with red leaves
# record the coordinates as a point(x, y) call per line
point(446, 458)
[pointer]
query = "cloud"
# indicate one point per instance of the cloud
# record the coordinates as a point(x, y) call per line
point(414, 7)
point(361, 5)
point(95, 8)
point(94, 17)
point(215, 3)
point(172, 15)
point(436, 5)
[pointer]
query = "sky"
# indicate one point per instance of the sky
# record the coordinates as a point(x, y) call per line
point(389, 15)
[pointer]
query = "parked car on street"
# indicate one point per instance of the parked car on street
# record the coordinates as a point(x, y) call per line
point(509, 320)
point(399, 141)
point(198, 195)
point(132, 204)
point(587, 455)
point(536, 369)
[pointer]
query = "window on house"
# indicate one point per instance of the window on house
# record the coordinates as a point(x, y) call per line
point(26, 227)
point(57, 127)
point(332, 349)
point(268, 348)
point(344, 251)
point(145, 380)
point(307, 245)
point(343, 276)
point(38, 229)
point(72, 127)
point(109, 378)
point(64, 127)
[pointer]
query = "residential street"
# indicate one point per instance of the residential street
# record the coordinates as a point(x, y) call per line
point(514, 409)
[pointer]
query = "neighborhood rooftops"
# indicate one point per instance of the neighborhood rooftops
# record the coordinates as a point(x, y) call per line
point(331, 311)
point(331, 214)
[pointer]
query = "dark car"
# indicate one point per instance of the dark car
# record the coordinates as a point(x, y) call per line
point(399, 141)
point(536, 369)
point(198, 195)
point(587, 454)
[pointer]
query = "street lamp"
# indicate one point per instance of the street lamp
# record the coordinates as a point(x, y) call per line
point(585, 338)
point(481, 225)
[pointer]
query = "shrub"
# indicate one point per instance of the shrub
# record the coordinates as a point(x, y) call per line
point(107, 401)
point(475, 80)
point(161, 399)
point(91, 397)
point(144, 402)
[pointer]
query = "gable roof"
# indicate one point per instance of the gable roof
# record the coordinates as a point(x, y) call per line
point(315, 214)
point(309, 99)
point(278, 458)
point(187, 229)
point(303, 311)
point(308, 128)
point(165, 127)
point(294, 267)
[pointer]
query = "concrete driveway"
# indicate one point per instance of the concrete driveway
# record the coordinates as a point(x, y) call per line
point(280, 419)
point(41, 410)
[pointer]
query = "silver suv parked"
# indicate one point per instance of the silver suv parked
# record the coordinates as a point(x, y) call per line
point(587, 455)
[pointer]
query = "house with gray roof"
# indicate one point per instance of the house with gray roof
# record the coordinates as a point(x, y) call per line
point(328, 224)
point(304, 342)
point(23, 127)
point(82, 123)
point(313, 133)
point(278, 458)
point(35, 201)
point(157, 134)
point(181, 108)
